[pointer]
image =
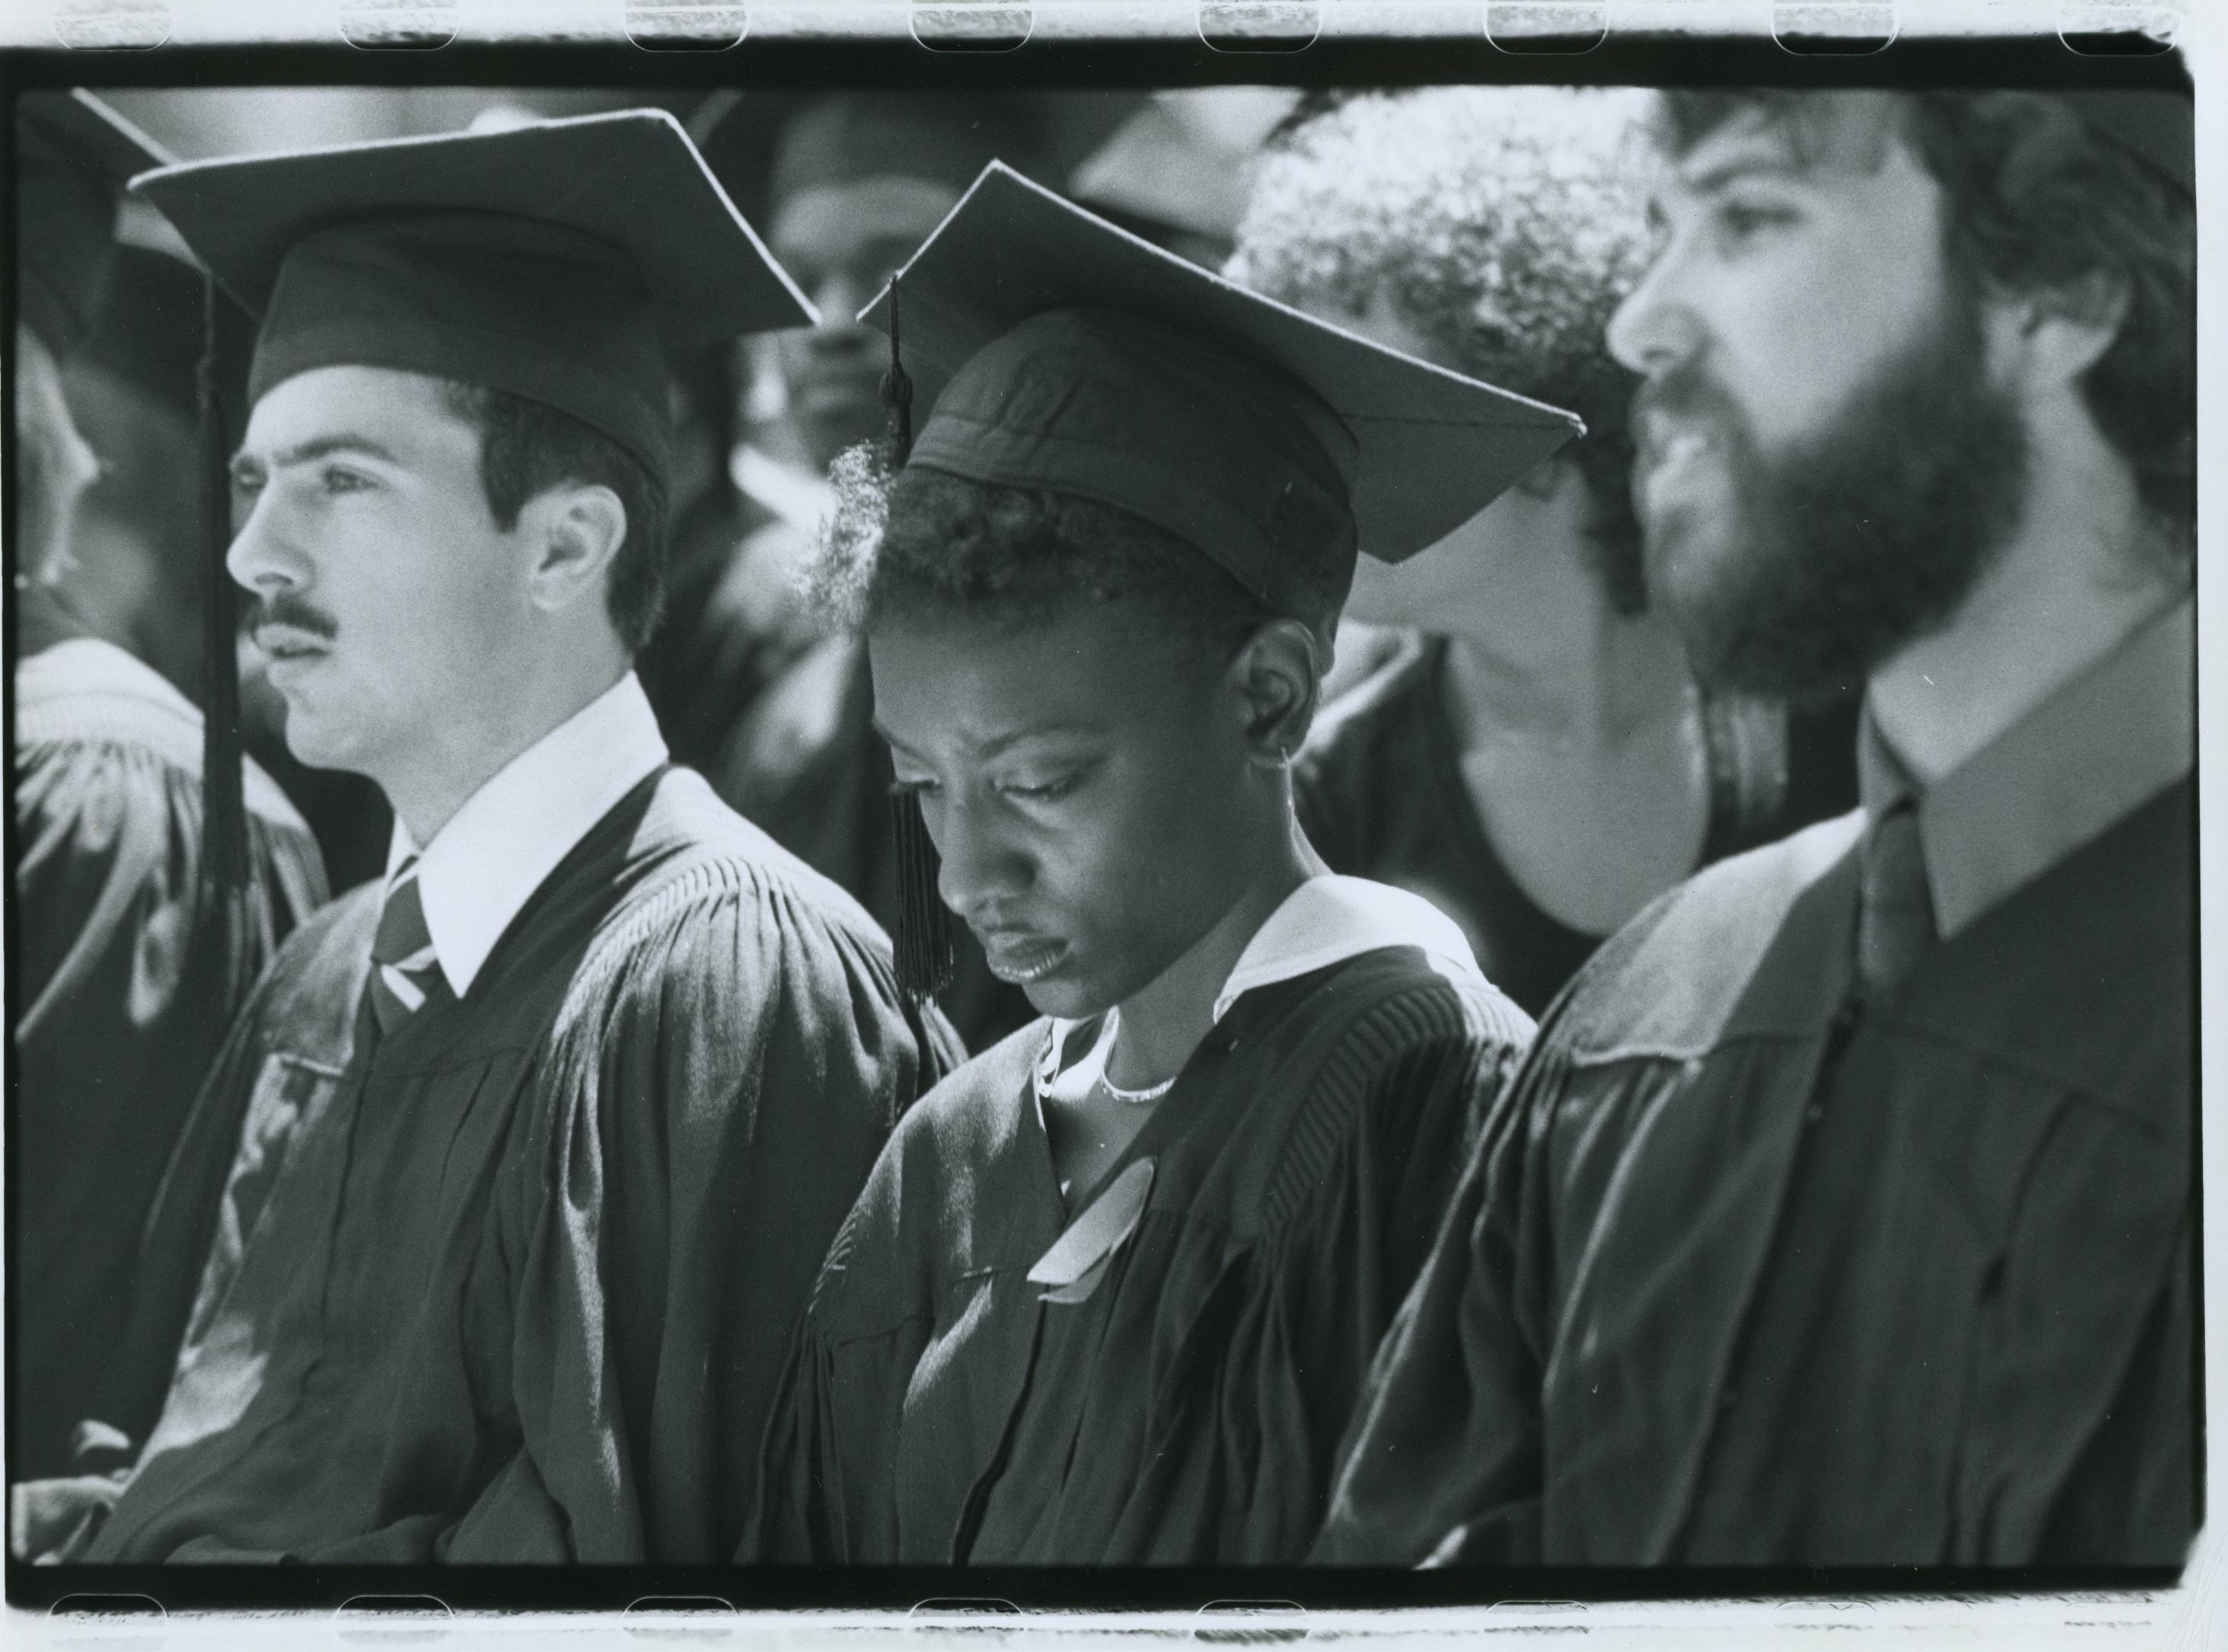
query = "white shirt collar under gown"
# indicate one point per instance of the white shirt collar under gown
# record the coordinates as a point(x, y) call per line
point(1326, 920)
point(493, 854)
point(1330, 918)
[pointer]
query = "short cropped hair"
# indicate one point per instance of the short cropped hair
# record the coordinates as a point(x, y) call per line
point(2035, 202)
point(1505, 224)
point(528, 447)
point(926, 543)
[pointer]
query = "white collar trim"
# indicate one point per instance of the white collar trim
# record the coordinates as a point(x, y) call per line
point(1331, 919)
point(1326, 920)
point(496, 851)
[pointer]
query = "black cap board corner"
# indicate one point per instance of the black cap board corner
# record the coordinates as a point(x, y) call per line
point(74, 156)
point(1435, 447)
point(630, 179)
point(558, 260)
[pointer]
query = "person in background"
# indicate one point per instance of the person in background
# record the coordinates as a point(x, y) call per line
point(847, 185)
point(1843, 1212)
point(129, 964)
point(1534, 754)
point(1178, 171)
point(1109, 1293)
point(484, 1222)
point(718, 643)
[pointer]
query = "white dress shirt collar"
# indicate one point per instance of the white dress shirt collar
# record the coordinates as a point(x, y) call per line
point(495, 852)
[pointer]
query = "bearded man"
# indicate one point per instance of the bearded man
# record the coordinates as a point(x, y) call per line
point(1842, 1213)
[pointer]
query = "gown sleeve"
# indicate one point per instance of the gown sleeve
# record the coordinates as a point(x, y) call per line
point(292, 1038)
point(721, 1078)
point(128, 978)
point(1441, 1457)
point(827, 1485)
point(2080, 1444)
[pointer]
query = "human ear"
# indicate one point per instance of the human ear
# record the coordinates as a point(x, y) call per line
point(574, 530)
point(2057, 334)
point(1278, 678)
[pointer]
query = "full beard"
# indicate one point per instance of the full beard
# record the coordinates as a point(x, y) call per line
point(1841, 551)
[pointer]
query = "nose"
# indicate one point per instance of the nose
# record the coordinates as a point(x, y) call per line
point(1656, 326)
point(839, 296)
point(982, 867)
point(263, 558)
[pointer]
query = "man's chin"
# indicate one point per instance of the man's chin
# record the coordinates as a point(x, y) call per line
point(316, 744)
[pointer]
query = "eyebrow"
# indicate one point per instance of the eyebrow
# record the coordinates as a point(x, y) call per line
point(321, 447)
point(1734, 167)
point(993, 746)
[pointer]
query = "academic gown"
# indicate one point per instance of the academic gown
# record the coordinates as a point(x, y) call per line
point(516, 1285)
point(1740, 1276)
point(127, 975)
point(935, 1410)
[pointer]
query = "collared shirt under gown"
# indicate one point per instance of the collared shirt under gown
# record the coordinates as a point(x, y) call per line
point(126, 978)
point(1746, 1272)
point(515, 1288)
point(937, 1411)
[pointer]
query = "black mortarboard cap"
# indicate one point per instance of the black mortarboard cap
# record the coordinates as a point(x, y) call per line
point(73, 156)
point(554, 261)
point(1082, 360)
point(1087, 361)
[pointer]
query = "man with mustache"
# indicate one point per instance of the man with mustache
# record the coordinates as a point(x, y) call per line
point(1842, 1213)
point(133, 954)
point(535, 1144)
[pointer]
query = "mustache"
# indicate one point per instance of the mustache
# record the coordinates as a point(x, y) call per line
point(1685, 391)
point(295, 612)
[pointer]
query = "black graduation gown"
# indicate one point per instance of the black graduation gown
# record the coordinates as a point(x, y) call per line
point(1734, 1278)
point(127, 975)
point(1381, 794)
point(516, 1289)
point(936, 1411)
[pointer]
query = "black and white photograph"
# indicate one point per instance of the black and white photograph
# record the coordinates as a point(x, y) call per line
point(1399, 831)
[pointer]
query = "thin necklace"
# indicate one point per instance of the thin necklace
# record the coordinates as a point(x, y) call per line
point(1136, 1098)
point(1129, 1097)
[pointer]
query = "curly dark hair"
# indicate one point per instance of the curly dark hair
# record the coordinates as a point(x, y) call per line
point(2037, 202)
point(925, 542)
point(526, 447)
point(1505, 224)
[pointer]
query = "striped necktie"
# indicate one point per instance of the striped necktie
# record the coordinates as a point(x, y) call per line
point(405, 970)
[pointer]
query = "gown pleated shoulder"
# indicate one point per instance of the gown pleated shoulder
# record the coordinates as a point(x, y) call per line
point(938, 1408)
point(511, 1283)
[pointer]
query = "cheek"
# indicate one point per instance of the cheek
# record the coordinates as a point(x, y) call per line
point(427, 592)
point(1159, 843)
point(1803, 337)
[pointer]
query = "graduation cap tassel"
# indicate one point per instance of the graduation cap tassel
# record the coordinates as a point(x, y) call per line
point(924, 939)
point(224, 811)
point(897, 394)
